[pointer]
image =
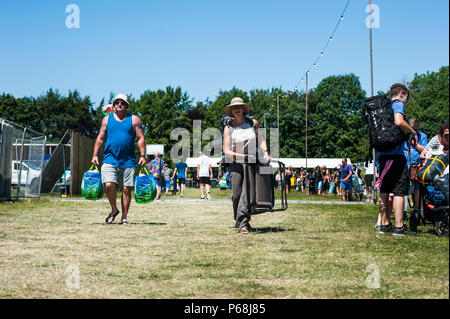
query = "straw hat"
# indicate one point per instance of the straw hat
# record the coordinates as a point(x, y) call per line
point(235, 102)
point(121, 96)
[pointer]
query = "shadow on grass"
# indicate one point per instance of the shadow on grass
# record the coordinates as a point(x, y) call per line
point(130, 223)
point(263, 230)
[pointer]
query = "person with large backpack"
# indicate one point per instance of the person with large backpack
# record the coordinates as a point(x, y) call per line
point(241, 140)
point(388, 133)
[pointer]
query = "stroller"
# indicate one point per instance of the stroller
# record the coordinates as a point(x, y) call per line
point(357, 189)
point(223, 183)
point(261, 189)
point(435, 206)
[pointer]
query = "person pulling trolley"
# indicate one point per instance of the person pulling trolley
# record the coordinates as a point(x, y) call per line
point(246, 151)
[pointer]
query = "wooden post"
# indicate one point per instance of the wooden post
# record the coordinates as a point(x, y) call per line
point(82, 148)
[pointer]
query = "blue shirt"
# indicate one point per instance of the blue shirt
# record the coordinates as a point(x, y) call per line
point(120, 142)
point(345, 171)
point(415, 154)
point(181, 169)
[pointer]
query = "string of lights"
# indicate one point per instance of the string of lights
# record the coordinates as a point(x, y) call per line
point(322, 52)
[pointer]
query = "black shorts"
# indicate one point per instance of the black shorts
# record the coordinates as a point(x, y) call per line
point(237, 168)
point(368, 179)
point(396, 180)
point(182, 180)
point(205, 180)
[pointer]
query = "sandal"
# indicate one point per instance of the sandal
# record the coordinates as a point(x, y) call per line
point(111, 216)
point(244, 230)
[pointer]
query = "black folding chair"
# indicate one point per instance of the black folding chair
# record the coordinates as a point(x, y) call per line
point(260, 209)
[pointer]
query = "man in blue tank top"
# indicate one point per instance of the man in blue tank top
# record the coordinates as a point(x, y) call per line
point(121, 130)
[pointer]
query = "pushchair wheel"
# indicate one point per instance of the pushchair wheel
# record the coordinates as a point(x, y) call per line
point(441, 225)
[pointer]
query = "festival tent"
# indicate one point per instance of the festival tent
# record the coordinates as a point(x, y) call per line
point(312, 162)
point(194, 161)
point(294, 162)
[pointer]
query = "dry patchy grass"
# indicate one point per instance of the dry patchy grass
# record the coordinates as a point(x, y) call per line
point(191, 250)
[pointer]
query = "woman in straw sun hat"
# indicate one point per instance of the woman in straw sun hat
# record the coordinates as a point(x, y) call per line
point(240, 138)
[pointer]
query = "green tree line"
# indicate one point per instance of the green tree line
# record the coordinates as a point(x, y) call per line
point(336, 127)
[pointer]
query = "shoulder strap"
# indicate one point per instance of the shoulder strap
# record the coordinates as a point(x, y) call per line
point(229, 121)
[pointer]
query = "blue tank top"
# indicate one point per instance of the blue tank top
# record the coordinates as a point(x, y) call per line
point(120, 142)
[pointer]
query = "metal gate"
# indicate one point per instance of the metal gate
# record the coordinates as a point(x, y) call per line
point(22, 152)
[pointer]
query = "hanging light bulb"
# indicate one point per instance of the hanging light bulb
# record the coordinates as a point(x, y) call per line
point(329, 40)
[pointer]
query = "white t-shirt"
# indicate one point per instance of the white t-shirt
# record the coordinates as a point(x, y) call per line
point(435, 148)
point(204, 166)
point(433, 145)
point(369, 168)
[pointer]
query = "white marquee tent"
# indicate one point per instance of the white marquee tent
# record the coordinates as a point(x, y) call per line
point(294, 162)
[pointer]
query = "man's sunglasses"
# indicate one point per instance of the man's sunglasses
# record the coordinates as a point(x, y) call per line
point(120, 103)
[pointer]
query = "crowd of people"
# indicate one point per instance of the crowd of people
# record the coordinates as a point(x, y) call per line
point(340, 181)
point(167, 180)
point(319, 181)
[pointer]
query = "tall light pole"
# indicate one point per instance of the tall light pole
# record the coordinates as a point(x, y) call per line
point(306, 124)
point(306, 135)
point(371, 52)
point(265, 126)
point(278, 111)
point(371, 92)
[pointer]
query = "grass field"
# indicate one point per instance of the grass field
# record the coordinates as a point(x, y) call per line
point(176, 249)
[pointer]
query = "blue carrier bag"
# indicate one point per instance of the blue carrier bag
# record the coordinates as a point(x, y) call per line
point(331, 191)
point(436, 197)
point(144, 187)
point(91, 185)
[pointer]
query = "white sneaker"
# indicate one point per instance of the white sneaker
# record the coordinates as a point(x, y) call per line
point(208, 196)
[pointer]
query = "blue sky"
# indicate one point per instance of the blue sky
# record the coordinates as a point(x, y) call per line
point(207, 45)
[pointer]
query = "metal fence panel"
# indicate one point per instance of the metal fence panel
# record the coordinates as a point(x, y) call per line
point(36, 155)
point(22, 160)
point(6, 139)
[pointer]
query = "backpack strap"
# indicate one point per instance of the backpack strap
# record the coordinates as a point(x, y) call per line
point(228, 121)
